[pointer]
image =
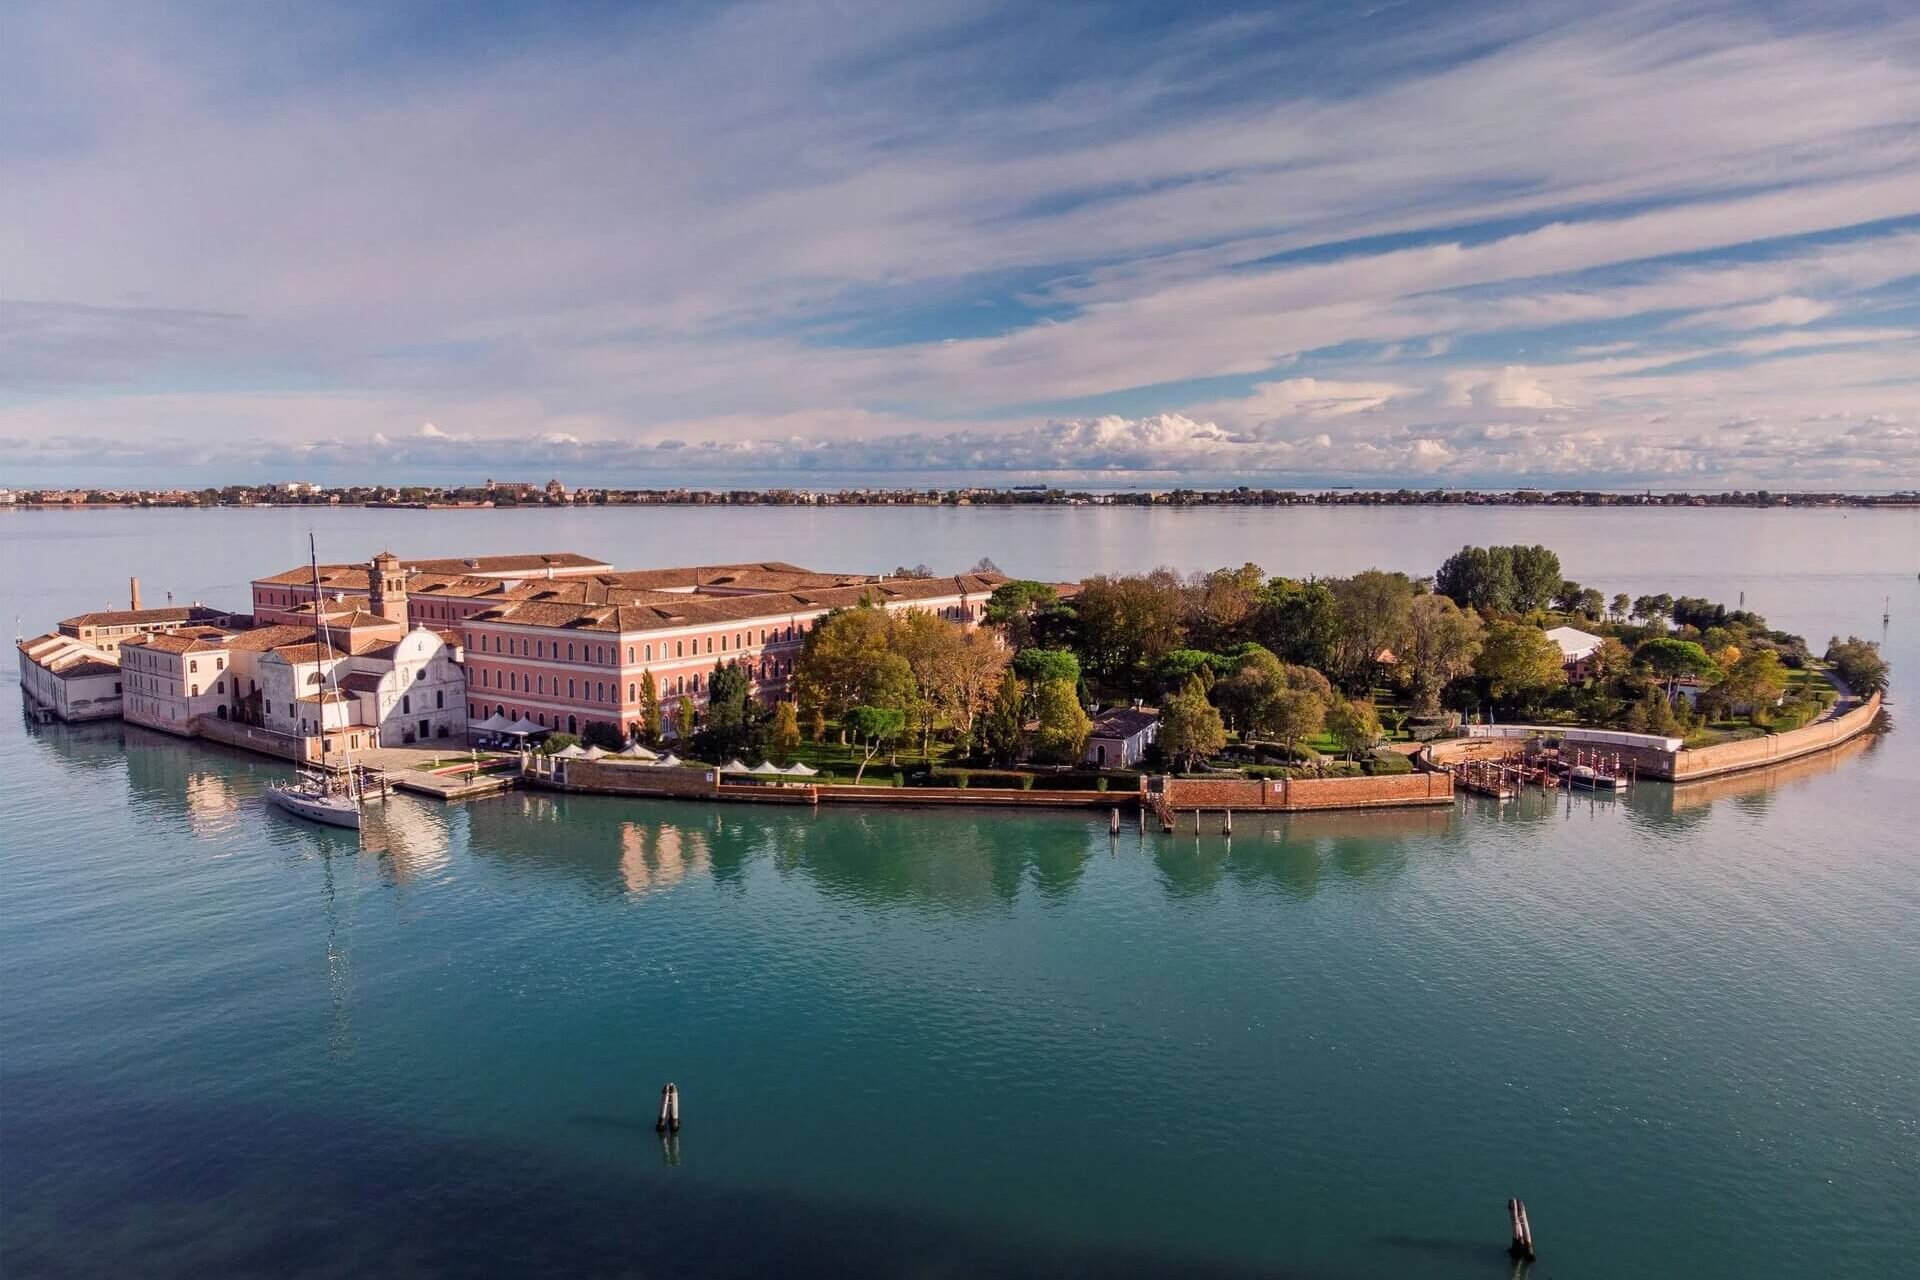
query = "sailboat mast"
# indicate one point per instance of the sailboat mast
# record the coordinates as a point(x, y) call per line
point(326, 652)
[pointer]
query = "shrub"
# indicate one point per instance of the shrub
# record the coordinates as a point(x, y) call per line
point(1100, 784)
point(899, 779)
point(1026, 782)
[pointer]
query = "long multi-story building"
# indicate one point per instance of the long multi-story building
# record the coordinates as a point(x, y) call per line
point(577, 653)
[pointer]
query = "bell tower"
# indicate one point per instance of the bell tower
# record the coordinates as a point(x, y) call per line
point(387, 588)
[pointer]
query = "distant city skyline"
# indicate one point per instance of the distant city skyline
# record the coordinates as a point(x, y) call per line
point(1617, 246)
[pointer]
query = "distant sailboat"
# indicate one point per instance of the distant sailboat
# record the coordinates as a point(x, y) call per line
point(323, 796)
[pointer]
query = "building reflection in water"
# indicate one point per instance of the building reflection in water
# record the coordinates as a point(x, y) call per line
point(413, 836)
point(659, 856)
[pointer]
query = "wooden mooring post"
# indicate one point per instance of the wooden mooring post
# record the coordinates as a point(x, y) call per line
point(1226, 822)
point(1522, 1247)
point(1113, 827)
point(669, 1121)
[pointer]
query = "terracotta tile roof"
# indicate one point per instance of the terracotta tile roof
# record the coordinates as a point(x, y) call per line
point(148, 617)
point(360, 682)
point(261, 639)
point(353, 577)
point(186, 640)
point(692, 610)
point(1122, 722)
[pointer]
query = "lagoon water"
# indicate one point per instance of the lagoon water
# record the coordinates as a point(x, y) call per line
point(1685, 1026)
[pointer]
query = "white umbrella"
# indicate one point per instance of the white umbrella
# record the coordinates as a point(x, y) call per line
point(634, 751)
point(594, 753)
point(494, 723)
point(735, 766)
point(802, 771)
point(667, 761)
point(571, 751)
point(766, 767)
point(524, 725)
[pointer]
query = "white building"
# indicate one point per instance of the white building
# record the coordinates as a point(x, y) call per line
point(70, 678)
point(170, 678)
point(1120, 737)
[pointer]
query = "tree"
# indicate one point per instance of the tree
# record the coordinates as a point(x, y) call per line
point(1126, 623)
point(840, 659)
point(1044, 666)
point(1190, 727)
point(650, 717)
point(1374, 608)
point(1294, 713)
point(1670, 659)
point(1652, 609)
point(1298, 622)
point(1520, 665)
point(1536, 577)
point(1619, 606)
point(873, 728)
point(1354, 725)
point(1756, 679)
point(1062, 728)
point(1243, 694)
point(783, 740)
point(1219, 605)
point(1859, 664)
point(929, 644)
point(729, 726)
point(1000, 728)
point(684, 718)
point(979, 668)
point(984, 564)
point(1012, 605)
point(1442, 641)
point(1477, 578)
point(599, 733)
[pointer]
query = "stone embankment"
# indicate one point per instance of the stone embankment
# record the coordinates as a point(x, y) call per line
point(1683, 764)
point(1178, 794)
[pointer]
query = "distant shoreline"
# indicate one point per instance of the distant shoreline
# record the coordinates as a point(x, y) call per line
point(1179, 499)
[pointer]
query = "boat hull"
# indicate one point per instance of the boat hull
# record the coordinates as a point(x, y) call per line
point(334, 811)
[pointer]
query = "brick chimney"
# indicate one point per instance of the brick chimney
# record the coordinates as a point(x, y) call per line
point(133, 585)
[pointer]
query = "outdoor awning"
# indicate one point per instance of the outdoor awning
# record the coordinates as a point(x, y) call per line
point(523, 726)
point(495, 723)
point(735, 766)
point(571, 751)
point(594, 753)
point(801, 771)
point(767, 767)
point(634, 751)
point(667, 761)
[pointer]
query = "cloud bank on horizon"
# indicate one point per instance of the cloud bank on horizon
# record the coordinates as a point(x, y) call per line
point(1299, 243)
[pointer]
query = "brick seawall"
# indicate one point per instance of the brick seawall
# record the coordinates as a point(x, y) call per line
point(1294, 795)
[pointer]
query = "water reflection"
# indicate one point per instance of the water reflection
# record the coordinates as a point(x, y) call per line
point(414, 835)
point(1295, 854)
point(659, 857)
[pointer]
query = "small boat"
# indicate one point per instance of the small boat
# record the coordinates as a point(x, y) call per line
point(1584, 777)
point(318, 800)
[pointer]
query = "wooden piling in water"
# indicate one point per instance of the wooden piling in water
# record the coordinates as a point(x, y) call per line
point(666, 1099)
point(1226, 824)
point(673, 1112)
point(1522, 1246)
point(1113, 827)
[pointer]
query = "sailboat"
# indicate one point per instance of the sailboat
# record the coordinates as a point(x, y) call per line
point(322, 796)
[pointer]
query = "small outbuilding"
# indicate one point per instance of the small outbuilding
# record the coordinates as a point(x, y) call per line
point(1576, 647)
point(1120, 737)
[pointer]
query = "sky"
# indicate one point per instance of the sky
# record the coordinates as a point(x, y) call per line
point(1415, 244)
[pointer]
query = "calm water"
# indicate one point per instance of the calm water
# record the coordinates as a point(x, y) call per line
point(1685, 1027)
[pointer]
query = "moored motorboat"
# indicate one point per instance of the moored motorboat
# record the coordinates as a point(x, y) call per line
point(1584, 777)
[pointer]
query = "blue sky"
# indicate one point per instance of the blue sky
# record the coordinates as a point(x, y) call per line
point(1426, 244)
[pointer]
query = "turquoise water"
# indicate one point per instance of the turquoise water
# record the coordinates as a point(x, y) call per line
point(1684, 1026)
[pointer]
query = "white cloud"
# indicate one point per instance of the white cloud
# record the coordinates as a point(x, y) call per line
point(1787, 309)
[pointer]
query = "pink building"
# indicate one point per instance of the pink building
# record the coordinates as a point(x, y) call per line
point(577, 654)
point(276, 598)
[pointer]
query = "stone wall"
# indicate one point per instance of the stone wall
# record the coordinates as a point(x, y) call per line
point(1304, 794)
point(993, 797)
point(632, 779)
point(1754, 753)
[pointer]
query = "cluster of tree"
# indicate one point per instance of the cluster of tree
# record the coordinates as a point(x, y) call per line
point(1859, 664)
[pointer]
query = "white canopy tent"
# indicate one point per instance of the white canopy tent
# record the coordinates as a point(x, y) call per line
point(801, 770)
point(634, 751)
point(524, 727)
point(571, 751)
point(735, 765)
point(495, 723)
point(667, 761)
point(767, 768)
point(595, 753)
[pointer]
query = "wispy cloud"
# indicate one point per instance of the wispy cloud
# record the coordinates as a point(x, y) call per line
point(1470, 242)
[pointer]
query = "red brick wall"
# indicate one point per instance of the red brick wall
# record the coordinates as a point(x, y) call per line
point(1309, 793)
